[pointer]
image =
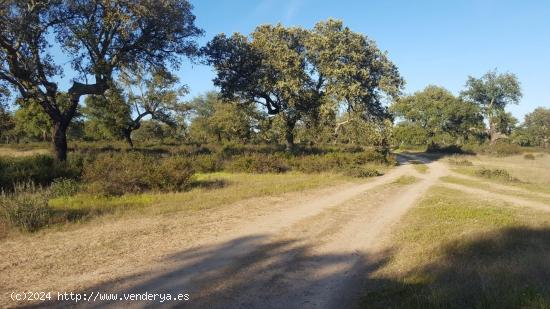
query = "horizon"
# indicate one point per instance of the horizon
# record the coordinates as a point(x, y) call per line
point(431, 43)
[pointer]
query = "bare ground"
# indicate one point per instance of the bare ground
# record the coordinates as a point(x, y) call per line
point(313, 249)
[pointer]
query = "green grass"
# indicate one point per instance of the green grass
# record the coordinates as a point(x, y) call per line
point(522, 183)
point(209, 190)
point(421, 168)
point(405, 180)
point(455, 251)
point(487, 186)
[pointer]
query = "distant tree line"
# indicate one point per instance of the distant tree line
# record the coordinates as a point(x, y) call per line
point(279, 84)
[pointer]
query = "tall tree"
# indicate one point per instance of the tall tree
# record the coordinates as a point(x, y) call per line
point(155, 94)
point(293, 71)
point(437, 111)
point(98, 36)
point(215, 120)
point(537, 126)
point(492, 92)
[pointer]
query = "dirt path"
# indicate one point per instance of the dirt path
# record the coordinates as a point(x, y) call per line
point(313, 253)
point(309, 250)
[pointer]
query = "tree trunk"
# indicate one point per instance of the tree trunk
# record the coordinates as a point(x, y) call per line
point(492, 134)
point(59, 140)
point(128, 137)
point(289, 133)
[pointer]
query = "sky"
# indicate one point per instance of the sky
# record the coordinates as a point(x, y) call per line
point(432, 42)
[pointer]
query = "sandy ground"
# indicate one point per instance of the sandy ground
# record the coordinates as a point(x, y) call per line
point(313, 249)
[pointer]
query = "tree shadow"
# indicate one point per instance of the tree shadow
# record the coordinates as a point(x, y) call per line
point(248, 272)
point(508, 268)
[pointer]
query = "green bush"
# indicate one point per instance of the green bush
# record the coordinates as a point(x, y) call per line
point(120, 173)
point(207, 163)
point(498, 174)
point(362, 172)
point(26, 208)
point(257, 163)
point(529, 156)
point(39, 169)
point(449, 149)
point(500, 149)
point(63, 187)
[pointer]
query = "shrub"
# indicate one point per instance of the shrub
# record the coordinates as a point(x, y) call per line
point(499, 174)
point(39, 169)
point(529, 156)
point(26, 208)
point(258, 163)
point(500, 149)
point(460, 162)
point(120, 173)
point(436, 148)
point(207, 163)
point(362, 172)
point(63, 187)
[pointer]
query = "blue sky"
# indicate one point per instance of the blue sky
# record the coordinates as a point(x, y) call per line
point(432, 42)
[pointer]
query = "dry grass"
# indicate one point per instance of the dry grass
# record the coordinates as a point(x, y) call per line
point(456, 251)
point(12, 152)
point(533, 175)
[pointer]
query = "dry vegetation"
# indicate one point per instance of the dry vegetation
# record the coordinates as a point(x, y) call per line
point(458, 251)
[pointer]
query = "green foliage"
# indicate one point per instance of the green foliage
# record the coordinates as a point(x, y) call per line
point(436, 148)
point(492, 92)
point(362, 172)
point(258, 163)
point(537, 127)
point(216, 121)
point(25, 209)
point(107, 115)
point(97, 40)
point(133, 172)
point(296, 72)
point(31, 121)
point(64, 187)
point(498, 174)
point(39, 169)
point(434, 113)
point(499, 149)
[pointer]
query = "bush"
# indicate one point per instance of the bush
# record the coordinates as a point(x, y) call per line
point(499, 174)
point(258, 163)
point(63, 187)
point(26, 208)
point(207, 163)
point(38, 169)
point(500, 149)
point(460, 162)
point(449, 149)
point(529, 156)
point(362, 172)
point(120, 173)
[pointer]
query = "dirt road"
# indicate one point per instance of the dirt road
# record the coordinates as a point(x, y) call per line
point(303, 250)
point(310, 253)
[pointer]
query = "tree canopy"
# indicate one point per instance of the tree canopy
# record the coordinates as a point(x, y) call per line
point(436, 111)
point(294, 71)
point(493, 92)
point(98, 37)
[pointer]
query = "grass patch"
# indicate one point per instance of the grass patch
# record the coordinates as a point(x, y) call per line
point(487, 186)
point(421, 168)
point(405, 180)
point(455, 251)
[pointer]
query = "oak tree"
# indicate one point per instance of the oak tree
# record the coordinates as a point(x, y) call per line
point(97, 36)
